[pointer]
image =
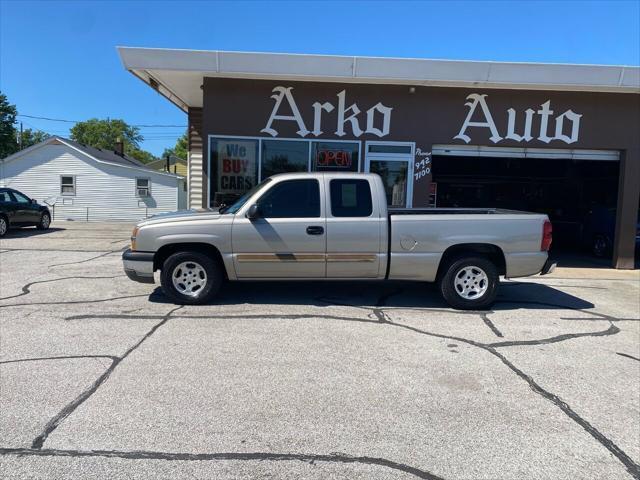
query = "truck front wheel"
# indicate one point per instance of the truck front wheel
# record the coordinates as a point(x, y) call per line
point(470, 283)
point(190, 278)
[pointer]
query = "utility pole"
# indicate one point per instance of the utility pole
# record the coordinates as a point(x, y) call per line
point(20, 135)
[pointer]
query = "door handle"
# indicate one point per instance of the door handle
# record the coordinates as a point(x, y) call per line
point(315, 230)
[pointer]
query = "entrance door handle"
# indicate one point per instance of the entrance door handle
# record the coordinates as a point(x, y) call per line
point(315, 230)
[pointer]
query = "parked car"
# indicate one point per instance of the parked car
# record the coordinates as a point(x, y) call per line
point(336, 226)
point(599, 231)
point(18, 210)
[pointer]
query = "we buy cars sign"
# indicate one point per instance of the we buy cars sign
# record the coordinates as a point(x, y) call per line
point(237, 162)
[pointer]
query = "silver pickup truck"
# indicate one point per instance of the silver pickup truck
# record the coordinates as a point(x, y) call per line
point(336, 226)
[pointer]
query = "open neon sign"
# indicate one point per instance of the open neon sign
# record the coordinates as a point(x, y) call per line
point(333, 159)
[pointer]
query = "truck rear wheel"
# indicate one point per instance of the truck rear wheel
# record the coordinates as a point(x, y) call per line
point(190, 278)
point(470, 283)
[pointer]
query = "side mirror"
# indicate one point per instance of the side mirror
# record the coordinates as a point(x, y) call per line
point(34, 201)
point(254, 212)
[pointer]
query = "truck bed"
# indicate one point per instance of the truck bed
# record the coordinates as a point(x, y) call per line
point(419, 238)
point(456, 211)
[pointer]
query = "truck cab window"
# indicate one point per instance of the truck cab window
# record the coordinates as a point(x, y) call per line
point(350, 198)
point(291, 199)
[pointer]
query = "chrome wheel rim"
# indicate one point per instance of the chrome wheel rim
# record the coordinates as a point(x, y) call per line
point(46, 220)
point(471, 282)
point(189, 278)
point(3, 226)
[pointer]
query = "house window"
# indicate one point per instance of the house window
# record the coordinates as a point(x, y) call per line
point(68, 185)
point(143, 187)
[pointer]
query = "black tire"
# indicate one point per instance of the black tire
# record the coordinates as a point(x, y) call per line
point(45, 221)
point(472, 270)
point(4, 225)
point(212, 281)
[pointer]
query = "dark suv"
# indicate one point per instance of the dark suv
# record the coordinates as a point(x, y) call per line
point(18, 210)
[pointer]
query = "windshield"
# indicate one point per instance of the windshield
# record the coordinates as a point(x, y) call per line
point(237, 205)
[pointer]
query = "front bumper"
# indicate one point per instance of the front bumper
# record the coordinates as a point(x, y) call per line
point(138, 266)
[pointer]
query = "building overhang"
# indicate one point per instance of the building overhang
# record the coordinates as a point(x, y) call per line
point(179, 74)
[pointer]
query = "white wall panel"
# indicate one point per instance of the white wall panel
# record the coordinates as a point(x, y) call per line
point(107, 191)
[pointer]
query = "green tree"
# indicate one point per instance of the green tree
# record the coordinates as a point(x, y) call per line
point(31, 137)
point(8, 112)
point(142, 155)
point(105, 133)
point(180, 149)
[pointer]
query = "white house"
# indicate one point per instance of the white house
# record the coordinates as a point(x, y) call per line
point(92, 184)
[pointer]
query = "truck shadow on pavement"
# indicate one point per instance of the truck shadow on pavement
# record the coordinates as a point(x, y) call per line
point(511, 295)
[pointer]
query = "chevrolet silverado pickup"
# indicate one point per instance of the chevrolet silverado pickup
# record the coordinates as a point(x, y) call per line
point(336, 226)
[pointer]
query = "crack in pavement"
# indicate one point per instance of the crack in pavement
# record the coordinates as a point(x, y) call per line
point(591, 319)
point(85, 395)
point(261, 456)
point(612, 330)
point(490, 324)
point(84, 261)
point(628, 356)
point(61, 357)
point(75, 302)
point(26, 289)
point(632, 467)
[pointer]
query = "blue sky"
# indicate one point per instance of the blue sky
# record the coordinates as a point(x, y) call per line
point(58, 59)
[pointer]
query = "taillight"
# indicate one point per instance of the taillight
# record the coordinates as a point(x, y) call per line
point(547, 231)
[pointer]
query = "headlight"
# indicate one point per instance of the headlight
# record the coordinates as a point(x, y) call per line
point(134, 234)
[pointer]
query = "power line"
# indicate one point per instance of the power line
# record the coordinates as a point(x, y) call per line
point(50, 119)
point(78, 121)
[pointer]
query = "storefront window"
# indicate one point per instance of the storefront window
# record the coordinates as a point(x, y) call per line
point(234, 162)
point(334, 156)
point(234, 169)
point(282, 156)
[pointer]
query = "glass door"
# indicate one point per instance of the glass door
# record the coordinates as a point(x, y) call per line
point(392, 161)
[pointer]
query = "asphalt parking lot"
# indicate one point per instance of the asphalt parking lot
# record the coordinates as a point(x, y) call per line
point(101, 377)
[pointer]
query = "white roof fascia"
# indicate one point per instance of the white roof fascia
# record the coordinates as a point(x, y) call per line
point(151, 62)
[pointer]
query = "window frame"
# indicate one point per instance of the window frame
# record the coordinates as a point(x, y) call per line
point(148, 187)
point(317, 140)
point(410, 158)
point(291, 180)
point(74, 185)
